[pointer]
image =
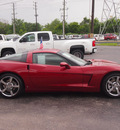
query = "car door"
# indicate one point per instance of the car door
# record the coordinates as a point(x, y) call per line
point(46, 74)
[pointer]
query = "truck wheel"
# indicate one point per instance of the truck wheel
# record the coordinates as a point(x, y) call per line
point(6, 53)
point(78, 53)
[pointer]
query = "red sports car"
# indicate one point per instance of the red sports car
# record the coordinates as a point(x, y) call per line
point(53, 70)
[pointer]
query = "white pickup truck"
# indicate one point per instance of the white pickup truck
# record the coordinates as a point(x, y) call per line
point(31, 40)
point(2, 38)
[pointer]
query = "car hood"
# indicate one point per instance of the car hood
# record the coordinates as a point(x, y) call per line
point(100, 62)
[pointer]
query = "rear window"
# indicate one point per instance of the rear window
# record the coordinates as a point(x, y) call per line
point(44, 36)
point(16, 57)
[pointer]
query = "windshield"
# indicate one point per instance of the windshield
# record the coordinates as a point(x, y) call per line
point(75, 59)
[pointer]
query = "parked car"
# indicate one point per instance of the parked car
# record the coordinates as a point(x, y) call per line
point(55, 37)
point(12, 36)
point(85, 36)
point(99, 37)
point(110, 36)
point(56, 71)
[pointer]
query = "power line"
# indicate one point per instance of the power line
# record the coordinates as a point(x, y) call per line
point(10, 2)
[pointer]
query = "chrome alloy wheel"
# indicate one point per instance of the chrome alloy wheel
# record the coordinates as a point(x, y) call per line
point(9, 86)
point(113, 86)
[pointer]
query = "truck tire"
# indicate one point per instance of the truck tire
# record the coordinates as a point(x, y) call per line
point(6, 53)
point(78, 53)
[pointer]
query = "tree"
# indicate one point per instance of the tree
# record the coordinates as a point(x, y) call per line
point(84, 26)
point(4, 27)
point(85, 21)
point(73, 27)
point(52, 25)
point(96, 26)
point(20, 26)
point(84, 29)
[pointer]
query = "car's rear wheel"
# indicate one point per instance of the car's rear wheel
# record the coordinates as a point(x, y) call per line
point(10, 85)
point(78, 53)
point(111, 85)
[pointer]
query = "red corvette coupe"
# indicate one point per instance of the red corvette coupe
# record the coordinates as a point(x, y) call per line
point(53, 70)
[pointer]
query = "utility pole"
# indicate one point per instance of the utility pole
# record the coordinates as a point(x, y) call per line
point(36, 15)
point(13, 20)
point(64, 19)
point(92, 19)
point(14, 29)
point(64, 16)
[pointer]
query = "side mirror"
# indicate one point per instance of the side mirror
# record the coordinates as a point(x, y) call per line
point(24, 39)
point(64, 64)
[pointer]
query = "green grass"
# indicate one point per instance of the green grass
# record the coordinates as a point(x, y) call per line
point(108, 44)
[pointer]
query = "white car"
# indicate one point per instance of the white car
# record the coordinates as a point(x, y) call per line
point(99, 37)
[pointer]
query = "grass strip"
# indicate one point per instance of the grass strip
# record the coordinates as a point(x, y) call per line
point(107, 44)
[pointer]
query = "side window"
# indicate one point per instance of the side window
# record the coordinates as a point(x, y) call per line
point(44, 36)
point(28, 38)
point(48, 59)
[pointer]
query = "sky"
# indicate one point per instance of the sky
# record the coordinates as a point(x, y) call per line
point(48, 10)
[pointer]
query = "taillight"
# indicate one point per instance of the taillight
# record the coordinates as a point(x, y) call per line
point(93, 43)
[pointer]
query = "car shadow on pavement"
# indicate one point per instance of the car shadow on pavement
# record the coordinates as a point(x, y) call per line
point(59, 95)
point(63, 94)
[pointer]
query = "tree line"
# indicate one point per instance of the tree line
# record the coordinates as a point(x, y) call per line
point(56, 27)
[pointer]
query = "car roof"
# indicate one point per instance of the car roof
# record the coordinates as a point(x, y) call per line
point(45, 50)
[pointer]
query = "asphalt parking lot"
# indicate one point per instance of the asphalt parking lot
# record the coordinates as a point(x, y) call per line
point(63, 111)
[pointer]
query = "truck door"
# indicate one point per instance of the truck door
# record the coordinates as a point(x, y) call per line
point(26, 43)
point(47, 39)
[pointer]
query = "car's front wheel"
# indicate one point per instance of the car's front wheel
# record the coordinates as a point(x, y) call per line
point(111, 85)
point(10, 85)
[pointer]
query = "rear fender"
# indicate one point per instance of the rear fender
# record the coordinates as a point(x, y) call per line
point(81, 47)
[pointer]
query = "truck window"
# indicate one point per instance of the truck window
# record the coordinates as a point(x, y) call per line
point(28, 38)
point(44, 36)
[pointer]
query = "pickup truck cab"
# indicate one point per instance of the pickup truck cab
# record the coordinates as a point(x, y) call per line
point(31, 40)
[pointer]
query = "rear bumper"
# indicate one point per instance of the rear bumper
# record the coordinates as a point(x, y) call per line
point(94, 50)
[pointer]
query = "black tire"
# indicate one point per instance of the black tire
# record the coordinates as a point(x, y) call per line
point(6, 53)
point(78, 53)
point(111, 85)
point(11, 85)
